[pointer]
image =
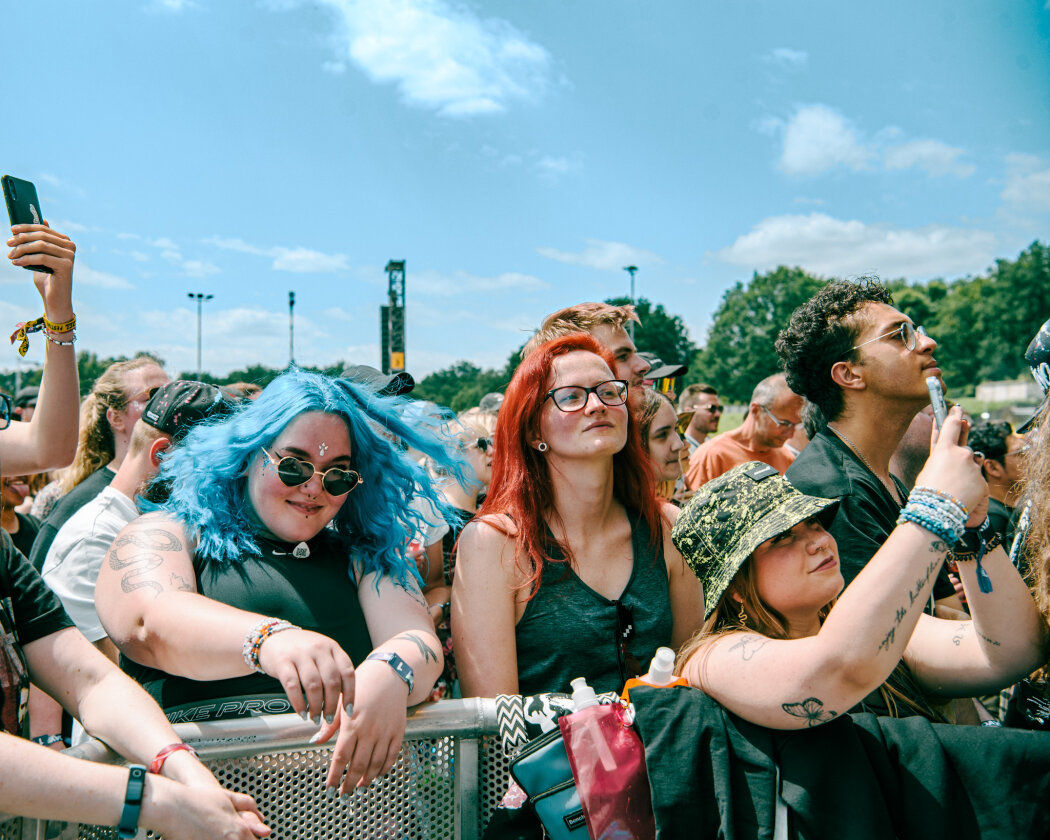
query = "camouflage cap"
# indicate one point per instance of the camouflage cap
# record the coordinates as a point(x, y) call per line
point(732, 515)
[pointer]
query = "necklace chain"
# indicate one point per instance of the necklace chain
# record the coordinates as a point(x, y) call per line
point(853, 448)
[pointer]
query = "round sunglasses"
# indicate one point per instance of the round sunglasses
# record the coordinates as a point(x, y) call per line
point(293, 472)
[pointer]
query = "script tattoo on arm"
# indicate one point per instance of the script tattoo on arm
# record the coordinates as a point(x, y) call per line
point(913, 596)
point(811, 710)
point(749, 645)
point(424, 649)
point(142, 557)
point(988, 640)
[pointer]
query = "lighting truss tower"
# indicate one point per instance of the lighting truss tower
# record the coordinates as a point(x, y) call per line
point(392, 319)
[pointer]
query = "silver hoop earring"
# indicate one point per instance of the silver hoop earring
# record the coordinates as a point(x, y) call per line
point(542, 446)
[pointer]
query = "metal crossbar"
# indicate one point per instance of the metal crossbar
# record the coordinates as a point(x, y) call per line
point(449, 777)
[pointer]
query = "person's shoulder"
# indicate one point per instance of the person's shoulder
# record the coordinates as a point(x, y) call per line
point(819, 468)
point(491, 529)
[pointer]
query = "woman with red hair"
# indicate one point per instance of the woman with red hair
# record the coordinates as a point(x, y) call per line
point(568, 570)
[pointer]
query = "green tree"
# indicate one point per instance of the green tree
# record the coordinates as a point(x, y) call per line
point(660, 332)
point(739, 350)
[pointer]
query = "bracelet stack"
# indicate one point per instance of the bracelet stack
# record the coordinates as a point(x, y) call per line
point(975, 543)
point(64, 334)
point(259, 633)
point(938, 512)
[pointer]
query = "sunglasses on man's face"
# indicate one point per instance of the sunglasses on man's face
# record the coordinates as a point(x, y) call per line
point(714, 409)
point(293, 472)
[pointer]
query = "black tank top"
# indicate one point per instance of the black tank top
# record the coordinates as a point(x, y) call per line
point(568, 630)
point(316, 593)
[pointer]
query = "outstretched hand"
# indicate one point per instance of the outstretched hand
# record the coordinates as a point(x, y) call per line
point(39, 245)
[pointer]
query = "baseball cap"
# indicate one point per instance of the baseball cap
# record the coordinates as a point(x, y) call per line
point(659, 370)
point(176, 407)
point(385, 384)
point(1037, 357)
point(732, 515)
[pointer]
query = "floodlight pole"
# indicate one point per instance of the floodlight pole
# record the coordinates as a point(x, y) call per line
point(631, 269)
point(291, 329)
point(200, 298)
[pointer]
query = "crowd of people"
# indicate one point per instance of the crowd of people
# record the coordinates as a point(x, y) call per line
point(329, 546)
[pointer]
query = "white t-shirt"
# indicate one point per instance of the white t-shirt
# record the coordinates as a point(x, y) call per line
point(75, 557)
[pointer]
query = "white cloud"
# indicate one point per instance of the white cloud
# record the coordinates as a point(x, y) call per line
point(933, 156)
point(442, 56)
point(297, 260)
point(1027, 183)
point(138, 256)
point(607, 256)
point(447, 285)
point(336, 68)
point(170, 6)
point(199, 268)
point(838, 247)
point(787, 57)
point(817, 139)
point(84, 275)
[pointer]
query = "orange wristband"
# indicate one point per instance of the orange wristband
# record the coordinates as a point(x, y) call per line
point(162, 756)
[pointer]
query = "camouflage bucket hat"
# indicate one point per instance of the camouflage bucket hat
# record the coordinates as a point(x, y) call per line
point(732, 515)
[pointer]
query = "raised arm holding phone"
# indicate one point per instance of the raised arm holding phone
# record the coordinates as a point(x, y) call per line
point(784, 646)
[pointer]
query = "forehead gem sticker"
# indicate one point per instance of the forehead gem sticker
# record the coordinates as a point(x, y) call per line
point(322, 447)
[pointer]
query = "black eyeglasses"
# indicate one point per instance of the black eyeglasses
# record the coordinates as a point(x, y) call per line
point(5, 411)
point(293, 472)
point(630, 665)
point(907, 331)
point(484, 444)
point(714, 409)
point(574, 397)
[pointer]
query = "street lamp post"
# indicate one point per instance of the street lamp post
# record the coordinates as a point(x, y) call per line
point(291, 329)
point(200, 298)
point(631, 269)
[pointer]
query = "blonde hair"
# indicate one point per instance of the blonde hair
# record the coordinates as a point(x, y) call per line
point(1036, 542)
point(96, 445)
point(483, 421)
point(583, 317)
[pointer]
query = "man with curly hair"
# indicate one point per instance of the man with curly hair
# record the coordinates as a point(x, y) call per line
point(864, 364)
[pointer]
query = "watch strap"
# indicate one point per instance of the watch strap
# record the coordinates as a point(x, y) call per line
point(128, 826)
point(401, 668)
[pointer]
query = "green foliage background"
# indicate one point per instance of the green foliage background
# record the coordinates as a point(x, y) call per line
point(983, 325)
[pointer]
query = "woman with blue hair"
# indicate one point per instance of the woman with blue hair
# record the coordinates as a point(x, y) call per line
point(274, 577)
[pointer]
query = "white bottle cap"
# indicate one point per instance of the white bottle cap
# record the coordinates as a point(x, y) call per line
point(583, 695)
point(661, 669)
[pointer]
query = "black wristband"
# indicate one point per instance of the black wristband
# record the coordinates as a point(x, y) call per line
point(128, 826)
point(401, 668)
point(48, 740)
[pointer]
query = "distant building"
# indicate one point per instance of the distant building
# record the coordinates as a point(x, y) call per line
point(1015, 391)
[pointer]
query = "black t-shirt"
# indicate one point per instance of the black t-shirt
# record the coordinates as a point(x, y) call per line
point(69, 504)
point(28, 611)
point(28, 526)
point(316, 593)
point(867, 513)
point(1000, 516)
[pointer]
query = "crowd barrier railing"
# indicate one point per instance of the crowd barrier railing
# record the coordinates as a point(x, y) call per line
point(449, 776)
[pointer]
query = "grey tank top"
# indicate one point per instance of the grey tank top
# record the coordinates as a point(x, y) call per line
point(568, 630)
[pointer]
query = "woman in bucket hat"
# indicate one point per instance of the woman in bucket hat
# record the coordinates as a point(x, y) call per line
point(785, 647)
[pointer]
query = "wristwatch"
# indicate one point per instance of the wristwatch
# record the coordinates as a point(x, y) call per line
point(128, 826)
point(401, 668)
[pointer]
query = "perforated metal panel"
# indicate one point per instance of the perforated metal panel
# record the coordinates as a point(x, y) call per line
point(11, 830)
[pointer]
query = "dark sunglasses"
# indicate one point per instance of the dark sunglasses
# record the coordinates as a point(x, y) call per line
point(293, 472)
point(484, 444)
point(5, 411)
point(714, 409)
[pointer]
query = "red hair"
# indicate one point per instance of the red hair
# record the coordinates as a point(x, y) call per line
point(521, 485)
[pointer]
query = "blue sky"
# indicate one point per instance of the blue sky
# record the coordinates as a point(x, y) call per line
point(516, 154)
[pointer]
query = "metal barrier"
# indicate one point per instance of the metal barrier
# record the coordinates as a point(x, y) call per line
point(449, 777)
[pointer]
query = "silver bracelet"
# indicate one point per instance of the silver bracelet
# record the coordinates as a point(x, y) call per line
point(53, 340)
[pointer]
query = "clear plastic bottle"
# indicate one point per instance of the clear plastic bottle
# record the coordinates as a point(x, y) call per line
point(661, 673)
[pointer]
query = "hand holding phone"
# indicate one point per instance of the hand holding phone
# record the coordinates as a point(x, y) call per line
point(23, 208)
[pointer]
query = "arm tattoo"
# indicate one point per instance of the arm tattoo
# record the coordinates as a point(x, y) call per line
point(145, 559)
point(960, 631)
point(811, 710)
point(180, 583)
point(424, 649)
point(990, 641)
point(913, 596)
point(749, 646)
point(412, 590)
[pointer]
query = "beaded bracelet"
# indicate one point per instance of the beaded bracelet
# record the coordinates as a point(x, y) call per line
point(259, 633)
point(72, 340)
point(924, 489)
point(940, 514)
point(26, 328)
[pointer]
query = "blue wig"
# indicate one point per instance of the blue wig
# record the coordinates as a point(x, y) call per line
point(206, 472)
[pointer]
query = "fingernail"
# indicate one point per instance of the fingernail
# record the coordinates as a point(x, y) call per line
point(344, 798)
point(317, 720)
point(330, 792)
point(304, 715)
point(315, 737)
point(329, 718)
point(349, 708)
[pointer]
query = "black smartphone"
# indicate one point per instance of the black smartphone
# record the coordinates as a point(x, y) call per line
point(23, 208)
point(940, 407)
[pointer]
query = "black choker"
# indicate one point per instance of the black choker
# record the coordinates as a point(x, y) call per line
point(279, 548)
